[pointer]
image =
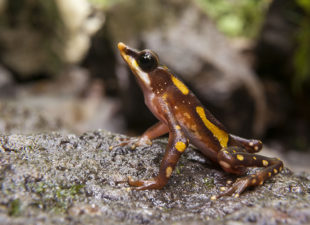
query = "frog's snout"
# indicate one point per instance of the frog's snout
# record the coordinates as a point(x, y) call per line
point(121, 46)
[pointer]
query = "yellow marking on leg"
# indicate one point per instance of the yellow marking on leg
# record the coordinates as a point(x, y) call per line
point(177, 127)
point(180, 146)
point(280, 169)
point(213, 197)
point(168, 171)
point(222, 188)
point(261, 183)
point(265, 162)
point(269, 174)
point(180, 85)
point(234, 151)
point(254, 157)
point(253, 181)
point(221, 135)
point(226, 152)
point(240, 157)
point(275, 170)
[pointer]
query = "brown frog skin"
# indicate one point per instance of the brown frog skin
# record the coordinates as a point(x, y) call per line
point(186, 120)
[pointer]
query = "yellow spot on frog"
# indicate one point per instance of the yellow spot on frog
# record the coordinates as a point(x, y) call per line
point(275, 170)
point(177, 127)
point(180, 85)
point(221, 135)
point(269, 174)
point(180, 146)
point(261, 183)
point(164, 96)
point(254, 157)
point(187, 115)
point(281, 168)
point(253, 181)
point(240, 157)
point(265, 162)
point(168, 171)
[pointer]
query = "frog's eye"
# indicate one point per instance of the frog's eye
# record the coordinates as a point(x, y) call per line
point(147, 61)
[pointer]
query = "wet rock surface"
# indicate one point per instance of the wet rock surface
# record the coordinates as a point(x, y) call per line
point(52, 178)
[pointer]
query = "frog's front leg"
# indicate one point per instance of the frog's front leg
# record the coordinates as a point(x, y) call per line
point(177, 143)
point(236, 160)
point(153, 132)
point(146, 138)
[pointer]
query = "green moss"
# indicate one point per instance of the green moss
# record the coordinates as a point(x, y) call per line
point(15, 207)
point(179, 168)
point(209, 183)
point(55, 198)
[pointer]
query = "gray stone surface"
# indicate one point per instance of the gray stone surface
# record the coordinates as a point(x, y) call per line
point(67, 179)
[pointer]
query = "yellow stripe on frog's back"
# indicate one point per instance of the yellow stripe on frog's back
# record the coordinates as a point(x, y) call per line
point(220, 134)
point(179, 85)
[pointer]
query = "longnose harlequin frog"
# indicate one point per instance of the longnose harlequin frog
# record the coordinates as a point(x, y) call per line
point(186, 120)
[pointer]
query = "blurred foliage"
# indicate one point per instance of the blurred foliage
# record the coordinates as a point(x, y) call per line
point(302, 53)
point(31, 25)
point(103, 3)
point(233, 17)
point(236, 17)
point(34, 14)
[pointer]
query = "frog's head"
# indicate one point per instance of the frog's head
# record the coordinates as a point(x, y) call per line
point(142, 63)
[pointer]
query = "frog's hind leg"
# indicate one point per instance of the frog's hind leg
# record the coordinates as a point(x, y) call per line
point(236, 160)
point(252, 145)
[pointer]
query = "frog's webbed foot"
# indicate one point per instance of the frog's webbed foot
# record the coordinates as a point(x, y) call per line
point(237, 188)
point(154, 183)
point(236, 160)
point(133, 143)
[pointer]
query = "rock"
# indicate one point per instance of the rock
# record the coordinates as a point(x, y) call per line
point(52, 178)
point(71, 102)
point(187, 41)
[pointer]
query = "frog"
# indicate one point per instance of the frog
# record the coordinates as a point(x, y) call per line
point(187, 121)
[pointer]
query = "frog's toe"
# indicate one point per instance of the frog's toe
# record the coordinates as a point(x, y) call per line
point(133, 143)
point(236, 189)
point(126, 142)
point(153, 183)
